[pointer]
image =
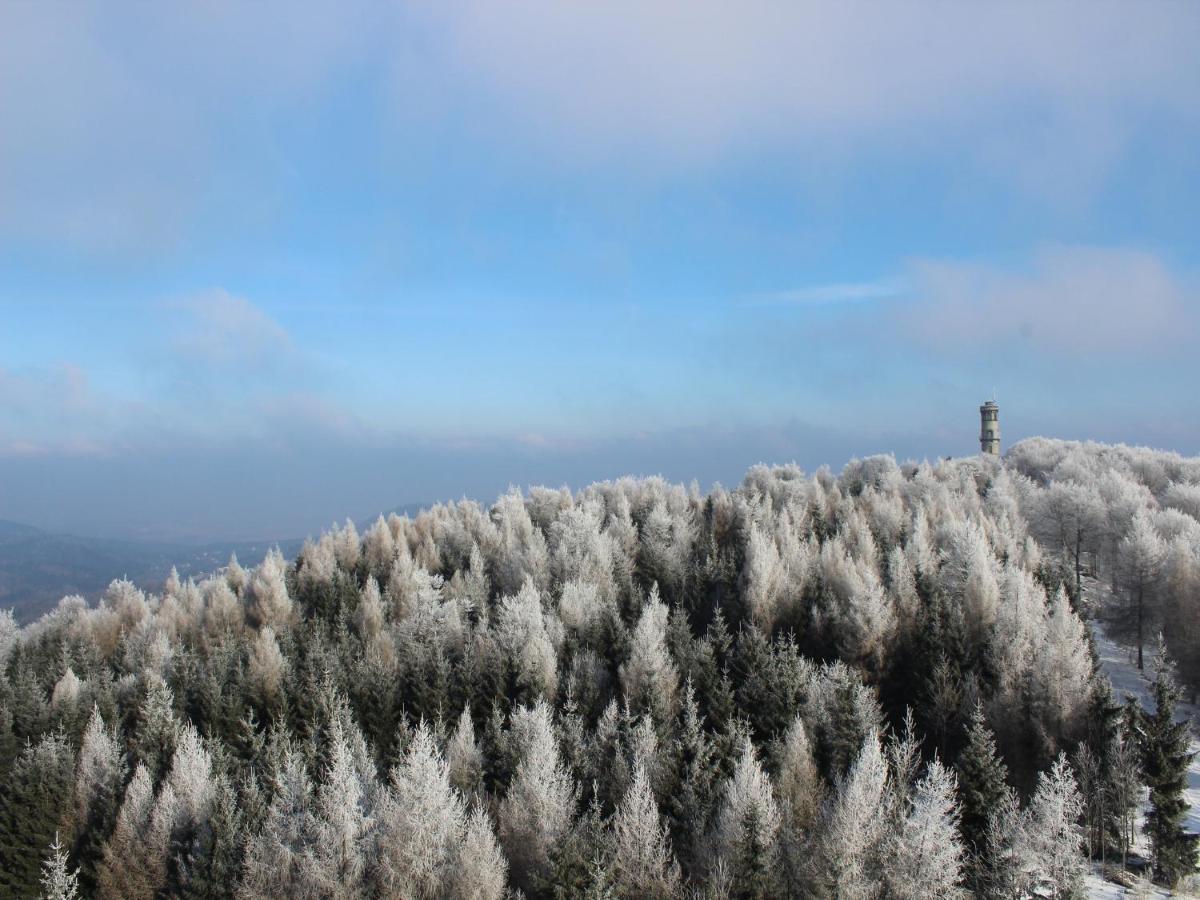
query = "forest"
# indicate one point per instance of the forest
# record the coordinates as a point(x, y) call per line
point(878, 684)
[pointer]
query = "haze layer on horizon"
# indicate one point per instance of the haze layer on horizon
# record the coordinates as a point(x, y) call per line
point(263, 267)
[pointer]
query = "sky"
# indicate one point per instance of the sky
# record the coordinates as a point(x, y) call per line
point(266, 266)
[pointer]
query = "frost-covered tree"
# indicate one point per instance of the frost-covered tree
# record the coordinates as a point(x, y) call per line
point(539, 806)
point(1063, 675)
point(480, 869)
point(855, 827)
point(341, 824)
point(99, 777)
point(135, 858)
point(800, 793)
point(157, 727)
point(266, 668)
point(649, 678)
point(1070, 517)
point(277, 859)
point(272, 605)
point(642, 863)
point(58, 881)
point(925, 856)
point(694, 757)
point(421, 822)
point(862, 618)
point(464, 757)
point(1141, 554)
point(747, 829)
point(521, 629)
point(1053, 834)
point(8, 635)
point(764, 578)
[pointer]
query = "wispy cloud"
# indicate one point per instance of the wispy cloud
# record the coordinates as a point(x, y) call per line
point(823, 294)
point(228, 332)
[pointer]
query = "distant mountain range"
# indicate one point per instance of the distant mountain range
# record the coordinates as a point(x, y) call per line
point(38, 568)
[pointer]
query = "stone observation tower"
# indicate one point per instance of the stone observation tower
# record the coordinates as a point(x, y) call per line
point(989, 428)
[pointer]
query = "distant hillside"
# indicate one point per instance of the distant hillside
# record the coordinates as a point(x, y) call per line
point(38, 568)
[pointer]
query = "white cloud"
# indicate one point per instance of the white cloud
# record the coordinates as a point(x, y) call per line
point(116, 122)
point(688, 80)
point(1077, 300)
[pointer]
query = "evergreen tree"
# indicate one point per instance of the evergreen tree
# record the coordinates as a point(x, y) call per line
point(1106, 804)
point(649, 677)
point(99, 777)
point(926, 856)
point(341, 826)
point(981, 790)
point(1004, 874)
point(689, 808)
point(275, 861)
point(464, 757)
point(480, 869)
point(849, 861)
point(537, 811)
point(217, 860)
point(1051, 841)
point(35, 804)
point(157, 727)
point(420, 822)
point(1165, 760)
point(58, 881)
point(135, 858)
point(642, 864)
point(801, 793)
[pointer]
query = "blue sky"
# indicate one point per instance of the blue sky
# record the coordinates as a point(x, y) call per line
point(261, 267)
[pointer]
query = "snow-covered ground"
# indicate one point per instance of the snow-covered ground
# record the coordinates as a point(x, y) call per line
point(1120, 665)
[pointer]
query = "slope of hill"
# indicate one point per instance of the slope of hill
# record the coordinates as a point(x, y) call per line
point(38, 568)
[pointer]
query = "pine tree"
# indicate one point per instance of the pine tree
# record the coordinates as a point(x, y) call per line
point(341, 826)
point(649, 677)
point(193, 788)
point(480, 868)
point(1165, 760)
point(420, 822)
point(217, 861)
point(981, 788)
point(35, 803)
point(926, 856)
point(1005, 874)
point(1106, 804)
point(157, 728)
point(642, 863)
point(58, 881)
point(855, 827)
point(746, 838)
point(464, 757)
point(1052, 840)
point(689, 809)
point(135, 858)
point(99, 776)
point(801, 793)
point(537, 811)
point(274, 864)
